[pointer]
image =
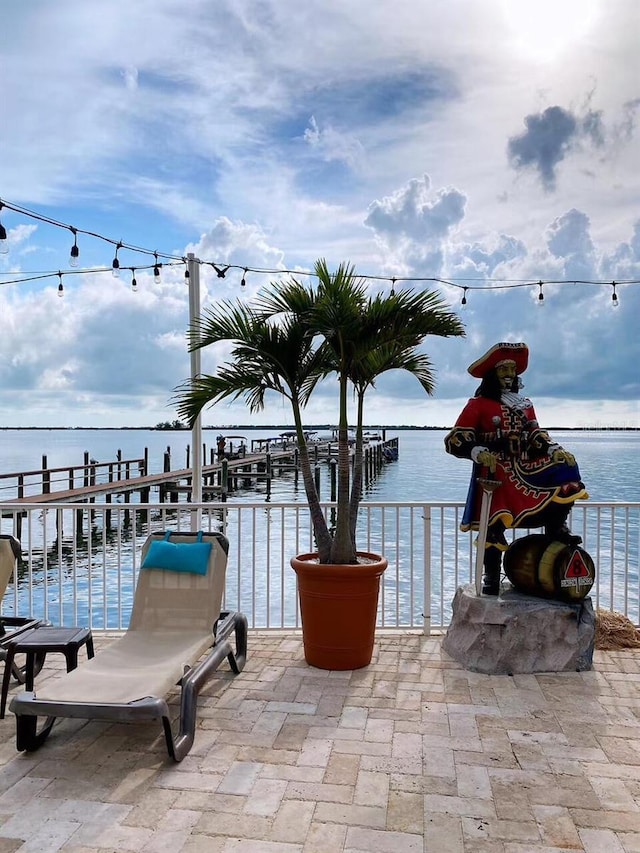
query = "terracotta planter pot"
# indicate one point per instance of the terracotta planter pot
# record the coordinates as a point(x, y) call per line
point(339, 607)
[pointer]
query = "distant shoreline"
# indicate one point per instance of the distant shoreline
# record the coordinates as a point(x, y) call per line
point(285, 427)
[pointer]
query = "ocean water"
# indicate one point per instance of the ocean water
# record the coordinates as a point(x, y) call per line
point(423, 472)
point(609, 461)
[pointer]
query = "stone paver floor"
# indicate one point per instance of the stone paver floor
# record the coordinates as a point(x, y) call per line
point(411, 754)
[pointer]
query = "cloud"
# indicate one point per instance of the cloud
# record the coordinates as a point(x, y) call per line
point(270, 133)
point(569, 238)
point(549, 137)
point(330, 144)
point(414, 224)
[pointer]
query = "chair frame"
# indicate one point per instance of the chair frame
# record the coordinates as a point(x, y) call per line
point(12, 626)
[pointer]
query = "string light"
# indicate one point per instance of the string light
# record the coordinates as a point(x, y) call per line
point(75, 251)
point(221, 270)
point(134, 283)
point(393, 287)
point(115, 263)
point(60, 287)
point(4, 245)
point(187, 274)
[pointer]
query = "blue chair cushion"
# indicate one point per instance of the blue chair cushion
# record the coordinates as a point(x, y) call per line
point(190, 557)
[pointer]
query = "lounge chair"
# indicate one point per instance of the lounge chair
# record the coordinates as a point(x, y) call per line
point(11, 626)
point(177, 636)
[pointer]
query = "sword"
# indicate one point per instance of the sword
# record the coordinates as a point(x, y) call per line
point(488, 488)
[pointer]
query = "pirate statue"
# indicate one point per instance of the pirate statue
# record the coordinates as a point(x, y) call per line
point(539, 481)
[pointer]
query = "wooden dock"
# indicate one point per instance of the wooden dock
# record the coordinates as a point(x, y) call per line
point(93, 480)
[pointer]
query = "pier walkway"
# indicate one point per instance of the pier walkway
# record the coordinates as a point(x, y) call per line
point(219, 478)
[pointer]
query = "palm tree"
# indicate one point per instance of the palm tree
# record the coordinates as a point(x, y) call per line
point(297, 334)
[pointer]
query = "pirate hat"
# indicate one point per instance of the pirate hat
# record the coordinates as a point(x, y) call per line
point(518, 353)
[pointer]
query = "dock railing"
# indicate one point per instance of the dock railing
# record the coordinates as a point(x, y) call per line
point(45, 480)
point(80, 561)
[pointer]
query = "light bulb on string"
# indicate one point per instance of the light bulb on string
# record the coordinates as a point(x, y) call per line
point(187, 277)
point(393, 287)
point(243, 283)
point(614, 296)
point(115, 263)
point(75, 251)
point(463, 301)
point(540, 302)
point(4, 244)
point(134, 283)
point(156, 269)
point(60, 287)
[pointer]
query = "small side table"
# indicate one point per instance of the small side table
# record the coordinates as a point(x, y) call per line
point(35, 643)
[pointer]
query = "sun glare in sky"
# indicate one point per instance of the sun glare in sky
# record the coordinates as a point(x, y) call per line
point(546, 28)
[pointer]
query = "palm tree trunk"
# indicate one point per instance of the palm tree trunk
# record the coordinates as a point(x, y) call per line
point(356, 485)
point(318, 521)
point(343, 550)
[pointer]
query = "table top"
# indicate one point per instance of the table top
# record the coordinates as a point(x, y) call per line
point(49, 636)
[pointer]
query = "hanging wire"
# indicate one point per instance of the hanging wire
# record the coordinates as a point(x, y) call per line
point(222, 269)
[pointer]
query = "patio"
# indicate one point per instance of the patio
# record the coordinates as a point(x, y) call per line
point(411, 754)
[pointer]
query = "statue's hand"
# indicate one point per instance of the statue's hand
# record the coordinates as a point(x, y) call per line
point(488, 459)
point(561, 455)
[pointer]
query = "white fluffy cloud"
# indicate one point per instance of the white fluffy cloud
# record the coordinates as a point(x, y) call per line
point(434, 140)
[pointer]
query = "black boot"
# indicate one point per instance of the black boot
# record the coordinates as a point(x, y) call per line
point(557, 528)
point(563, 534)
point(492, 568)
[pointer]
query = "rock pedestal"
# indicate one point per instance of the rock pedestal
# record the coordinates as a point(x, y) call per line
point(517, 633)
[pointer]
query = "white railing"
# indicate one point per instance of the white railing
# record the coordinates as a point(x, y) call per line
point(80, 561)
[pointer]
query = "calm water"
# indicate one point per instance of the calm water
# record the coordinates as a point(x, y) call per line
point(609, 461)
point(610, 465)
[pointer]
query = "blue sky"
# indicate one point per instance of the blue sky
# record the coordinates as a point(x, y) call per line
point(479, 142)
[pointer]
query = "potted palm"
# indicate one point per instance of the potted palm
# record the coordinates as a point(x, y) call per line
point(292, 337)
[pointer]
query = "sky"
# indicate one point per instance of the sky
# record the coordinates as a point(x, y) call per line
point(484, 143)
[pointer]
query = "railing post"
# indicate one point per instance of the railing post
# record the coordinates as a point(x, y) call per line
point(426, 604)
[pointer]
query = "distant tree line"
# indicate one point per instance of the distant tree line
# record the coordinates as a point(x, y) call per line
point(177, 424)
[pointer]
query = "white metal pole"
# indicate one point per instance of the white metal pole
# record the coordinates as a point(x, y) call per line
point(196, 432)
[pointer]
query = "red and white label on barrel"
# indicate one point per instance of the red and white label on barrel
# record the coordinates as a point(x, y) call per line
point(577, 572)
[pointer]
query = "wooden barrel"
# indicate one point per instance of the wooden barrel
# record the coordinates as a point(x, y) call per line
point(542, 566)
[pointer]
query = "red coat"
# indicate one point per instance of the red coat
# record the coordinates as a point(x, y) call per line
point(529, 479)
